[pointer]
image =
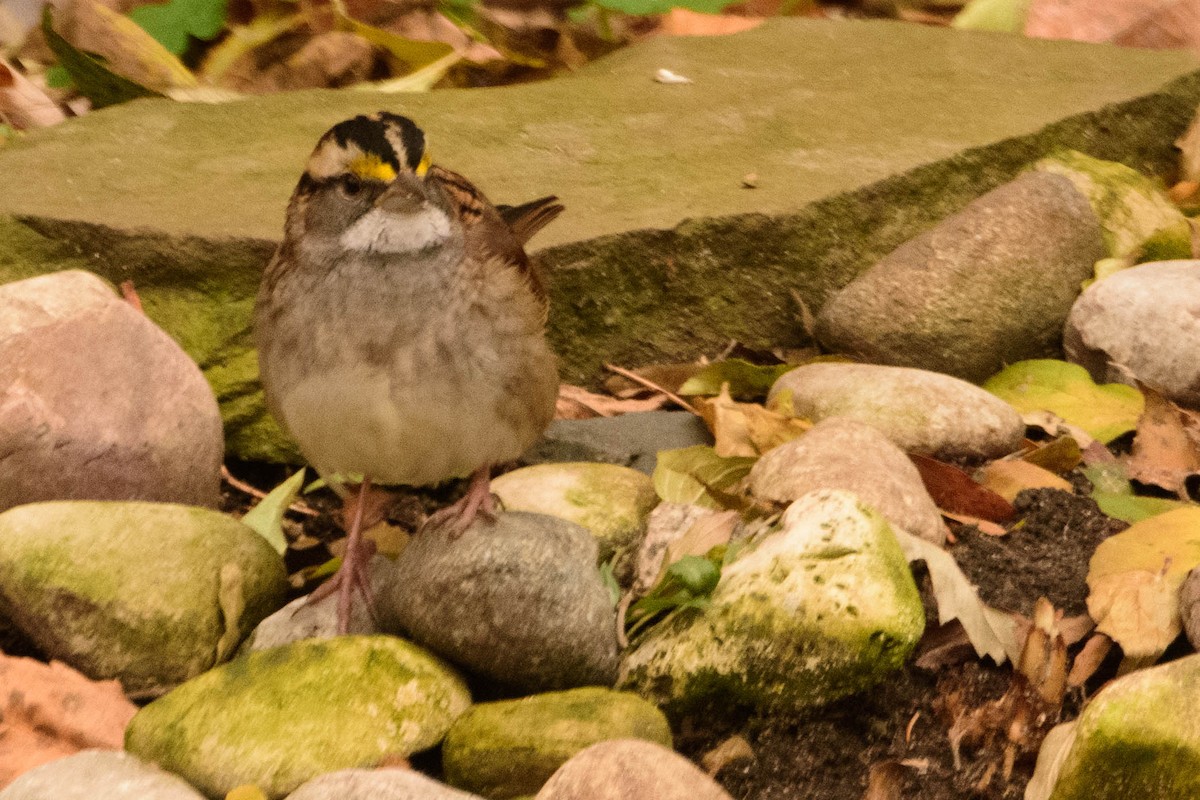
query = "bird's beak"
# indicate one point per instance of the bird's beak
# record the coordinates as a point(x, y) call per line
point(403, 195)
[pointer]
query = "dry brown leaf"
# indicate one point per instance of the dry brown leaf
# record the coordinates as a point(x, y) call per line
point(1134, 579)
point(957, 492)
point(575, 402)
point(1089, 659)
point(943, 646)
point(1138, 609)
point(704, 534)
point(885, 781)
point(731, 751)
point(985, 526)
point(1060, 455)
point(1165, 451)
point(22, 104)
point(1073, 629)
point(1043, 659)
point(48, 711)
point(746, 429)
point(668, 376)
point(1133, 23)
point(127, 49)
point(1009, 478)
point(684, 22)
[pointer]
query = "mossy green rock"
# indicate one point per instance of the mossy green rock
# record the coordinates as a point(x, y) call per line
point(1138, 739)
point(609, 500)
point(823, 608)
point(510, 748)
point(1130, 206)
point(278, 717)
point(151, 594)
point(663, 254)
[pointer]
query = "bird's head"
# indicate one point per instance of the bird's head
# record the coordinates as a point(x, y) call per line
point(363, 190)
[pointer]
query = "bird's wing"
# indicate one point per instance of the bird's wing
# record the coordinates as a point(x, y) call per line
point(497, 232)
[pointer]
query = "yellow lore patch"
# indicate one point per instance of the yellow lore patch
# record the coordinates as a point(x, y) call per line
point(369, 166)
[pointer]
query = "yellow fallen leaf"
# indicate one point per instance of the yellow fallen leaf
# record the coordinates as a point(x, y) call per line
point(1134, 579)
point(746, 429)
point(1008, 478)
point(1138, 609)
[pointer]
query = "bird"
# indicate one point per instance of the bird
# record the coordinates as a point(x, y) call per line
point(400, 328)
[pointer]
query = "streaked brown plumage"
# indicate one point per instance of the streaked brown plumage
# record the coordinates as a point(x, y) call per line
point(400, 323)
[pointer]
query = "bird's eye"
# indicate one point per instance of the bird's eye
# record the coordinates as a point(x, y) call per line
point(351, 185)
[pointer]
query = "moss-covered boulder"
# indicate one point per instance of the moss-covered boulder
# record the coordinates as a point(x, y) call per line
point(823, 608)
point(510, 748)
point(151, 594)
point(1138, 738)
point(278, 717)
point(1130, 206)
point(609, 500)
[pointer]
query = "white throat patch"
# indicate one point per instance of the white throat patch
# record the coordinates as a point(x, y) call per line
point(378, 231)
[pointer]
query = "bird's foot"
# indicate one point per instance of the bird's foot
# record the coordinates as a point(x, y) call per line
point(460, 515)
point(352, 576)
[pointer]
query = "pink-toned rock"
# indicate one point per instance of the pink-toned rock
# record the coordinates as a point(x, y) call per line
point(96, 402)
point(630, 769)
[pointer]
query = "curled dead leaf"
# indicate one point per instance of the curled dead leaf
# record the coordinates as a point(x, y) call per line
point(746, 429)
point(1010, 478)
point(1166, 449)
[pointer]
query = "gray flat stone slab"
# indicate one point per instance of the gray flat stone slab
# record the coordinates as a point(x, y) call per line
point(862, 134)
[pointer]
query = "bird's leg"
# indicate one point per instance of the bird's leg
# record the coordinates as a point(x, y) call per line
point(477, 502)
point(352, 575)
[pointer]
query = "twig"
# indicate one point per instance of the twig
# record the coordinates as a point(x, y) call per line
point(622, 607)
point(649, 384)
point(242, 486)
point(131, 296)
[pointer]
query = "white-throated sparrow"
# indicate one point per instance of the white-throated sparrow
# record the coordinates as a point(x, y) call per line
point(400, 325)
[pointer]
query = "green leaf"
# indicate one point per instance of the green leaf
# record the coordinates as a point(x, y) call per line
point(173, 22)
point(698, 476)
point(697, 574)
point(95, 80)
point(1108, 478)
point(267, 516)
point(1131, 508)
point(1005, 16)
point(1067, 390)
point(746, 381)
point(57, 77)
point(648, 7)
point(610, 582)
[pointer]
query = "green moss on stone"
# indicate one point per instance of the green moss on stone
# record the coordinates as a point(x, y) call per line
point(511, 747)
point(278, 717)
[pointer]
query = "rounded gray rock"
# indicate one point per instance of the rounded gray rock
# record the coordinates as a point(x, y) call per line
point(840, 453)
point(1144, 323)
point(113, 775)
point(630, 769)
point(986, 287)
point(377, 784)
point(119, 412)
point(519, 600)
point(920, 411)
